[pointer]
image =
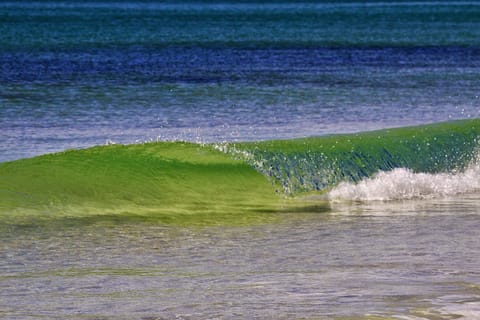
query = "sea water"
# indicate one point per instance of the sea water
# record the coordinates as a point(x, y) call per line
point(78, 74)
point(406, 260)
point(75, 74)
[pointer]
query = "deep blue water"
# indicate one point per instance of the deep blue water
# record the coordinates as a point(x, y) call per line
point(77, 74)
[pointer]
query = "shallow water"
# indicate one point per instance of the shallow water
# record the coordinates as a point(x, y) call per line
point(406, 260)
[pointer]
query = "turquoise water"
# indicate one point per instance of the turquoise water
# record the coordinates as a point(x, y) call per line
point(396, 243)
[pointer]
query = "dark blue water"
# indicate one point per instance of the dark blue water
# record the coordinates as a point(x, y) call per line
point(77, 74)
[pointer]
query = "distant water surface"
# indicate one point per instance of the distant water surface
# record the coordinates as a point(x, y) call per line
point(77, 74)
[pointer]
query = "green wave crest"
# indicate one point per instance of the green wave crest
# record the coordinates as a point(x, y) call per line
point(319, 163)
point(185, 183)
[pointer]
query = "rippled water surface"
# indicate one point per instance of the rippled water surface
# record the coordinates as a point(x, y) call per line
point(406, 260)
point(76, 74)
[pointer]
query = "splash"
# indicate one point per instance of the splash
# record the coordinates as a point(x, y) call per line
point(402, 184)
point(318, 164)
point(176, 179)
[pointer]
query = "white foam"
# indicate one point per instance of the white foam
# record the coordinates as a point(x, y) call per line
point(401, 184)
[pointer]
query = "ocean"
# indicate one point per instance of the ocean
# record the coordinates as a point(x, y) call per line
point(239, 159)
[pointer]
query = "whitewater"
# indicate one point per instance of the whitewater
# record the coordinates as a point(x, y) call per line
point(404, 184)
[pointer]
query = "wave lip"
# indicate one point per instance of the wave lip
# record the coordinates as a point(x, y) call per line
point(318, 164)
point(403, 184)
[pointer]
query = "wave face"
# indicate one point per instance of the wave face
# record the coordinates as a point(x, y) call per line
point(178, 182)
point(163, 181)
point(318, 164)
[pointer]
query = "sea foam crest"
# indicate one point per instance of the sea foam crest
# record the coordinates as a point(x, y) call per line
point(401, 184)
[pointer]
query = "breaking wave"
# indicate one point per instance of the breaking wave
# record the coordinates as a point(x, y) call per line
point(402, 183)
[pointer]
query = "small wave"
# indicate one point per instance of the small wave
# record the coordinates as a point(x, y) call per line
point(320, 163)
point(402, 184)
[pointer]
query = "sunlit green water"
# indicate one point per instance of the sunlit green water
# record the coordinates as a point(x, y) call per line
point(177, 182)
